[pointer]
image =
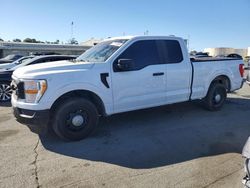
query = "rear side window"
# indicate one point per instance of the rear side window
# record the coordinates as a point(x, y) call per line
point(34, 62)
point(172, 51)
point(143, 54)
point(65, 58)
point(42, 60)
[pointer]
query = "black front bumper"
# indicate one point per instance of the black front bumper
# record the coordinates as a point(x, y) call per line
point(36, 120)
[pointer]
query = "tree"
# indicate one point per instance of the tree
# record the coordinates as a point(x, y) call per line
point(73, 41)
point(34, 41)
point(17, 40)
point(56, 42)
point(29, 40)
point(1, 40)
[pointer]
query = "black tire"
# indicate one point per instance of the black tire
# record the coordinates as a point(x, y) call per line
point(67, 119)
point(5, 92)
point(216, 97)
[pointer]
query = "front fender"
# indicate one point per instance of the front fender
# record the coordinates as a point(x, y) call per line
point(50, 98)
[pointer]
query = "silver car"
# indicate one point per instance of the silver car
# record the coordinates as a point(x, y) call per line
point(15, 63)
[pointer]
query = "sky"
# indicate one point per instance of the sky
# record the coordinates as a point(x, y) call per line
point(207, 23)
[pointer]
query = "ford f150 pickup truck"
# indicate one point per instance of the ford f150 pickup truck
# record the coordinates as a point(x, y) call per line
point(119, 75)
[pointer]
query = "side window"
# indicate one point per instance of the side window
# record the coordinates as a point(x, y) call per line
point(62, 58)
point(143, 54)
point(172, 51)
point(40, 61)
point(56, 59)
point(51, 59)
point(34, 62)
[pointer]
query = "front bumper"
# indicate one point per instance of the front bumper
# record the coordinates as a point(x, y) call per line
point(36, 120)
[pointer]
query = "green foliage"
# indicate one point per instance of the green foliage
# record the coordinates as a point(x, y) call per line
point(17, 40)
point(73, 41)
point(29, 40)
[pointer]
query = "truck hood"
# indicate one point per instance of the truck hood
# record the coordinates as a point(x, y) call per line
point(51, 68)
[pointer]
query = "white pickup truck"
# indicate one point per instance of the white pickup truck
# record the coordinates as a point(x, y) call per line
point(119, 75)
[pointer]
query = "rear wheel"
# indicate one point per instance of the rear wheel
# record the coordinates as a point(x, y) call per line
point(5, 91)
point(216, 97)
point(75, 119)
point(248, 79)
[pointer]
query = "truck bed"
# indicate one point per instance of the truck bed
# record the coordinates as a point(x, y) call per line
point(210, 68)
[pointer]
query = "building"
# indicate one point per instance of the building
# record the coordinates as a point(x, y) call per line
point(91, 42)
point(248, 52)
point(22, 48)
point(225, 51)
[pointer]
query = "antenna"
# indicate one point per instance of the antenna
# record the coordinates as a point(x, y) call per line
point(72, 32)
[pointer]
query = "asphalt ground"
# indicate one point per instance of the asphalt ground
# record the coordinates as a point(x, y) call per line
point(180, 145)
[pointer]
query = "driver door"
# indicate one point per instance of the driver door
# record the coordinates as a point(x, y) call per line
point(144, 85)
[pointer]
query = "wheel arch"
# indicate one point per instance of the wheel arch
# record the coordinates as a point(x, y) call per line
point(93, 97)
point(223, 79)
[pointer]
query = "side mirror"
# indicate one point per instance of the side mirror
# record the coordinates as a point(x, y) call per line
point(125, 64)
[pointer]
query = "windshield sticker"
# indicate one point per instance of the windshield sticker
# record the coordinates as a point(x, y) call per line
point(118, 44)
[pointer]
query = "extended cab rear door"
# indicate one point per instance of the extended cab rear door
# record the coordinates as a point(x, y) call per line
point(144, 85)
point(179, 71)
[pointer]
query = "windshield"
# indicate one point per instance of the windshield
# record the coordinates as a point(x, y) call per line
point(24, 63)
point(9, 57)
point(101, 52)
point(22, 60)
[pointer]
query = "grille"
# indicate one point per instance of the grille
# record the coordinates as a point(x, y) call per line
point(20, 90)
point(18, 87)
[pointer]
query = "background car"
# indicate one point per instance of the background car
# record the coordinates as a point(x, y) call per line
point(10, 58)
point(248, 77)
point(15, 63)
point(237, 56)
point(5, 76)
point(201, 54)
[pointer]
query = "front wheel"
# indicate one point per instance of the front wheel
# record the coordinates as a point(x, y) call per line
point(216, 97)
point(5, 92)
point(75, 119)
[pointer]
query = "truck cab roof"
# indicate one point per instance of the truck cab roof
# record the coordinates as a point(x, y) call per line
point(142, 37)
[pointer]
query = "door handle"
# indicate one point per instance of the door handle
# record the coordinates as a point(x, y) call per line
point(158, 73)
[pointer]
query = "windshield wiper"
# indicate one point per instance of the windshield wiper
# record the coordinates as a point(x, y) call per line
point(80, 60)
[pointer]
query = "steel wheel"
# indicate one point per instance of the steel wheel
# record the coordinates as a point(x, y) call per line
point(75, 119)
point(5, 92)
point(216, 97)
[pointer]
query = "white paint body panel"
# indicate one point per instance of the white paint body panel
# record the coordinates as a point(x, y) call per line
point(130, 90)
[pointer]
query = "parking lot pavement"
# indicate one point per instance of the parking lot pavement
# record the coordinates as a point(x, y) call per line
point(180, 145)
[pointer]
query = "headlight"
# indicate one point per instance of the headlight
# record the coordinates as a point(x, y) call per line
point(34, 90)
